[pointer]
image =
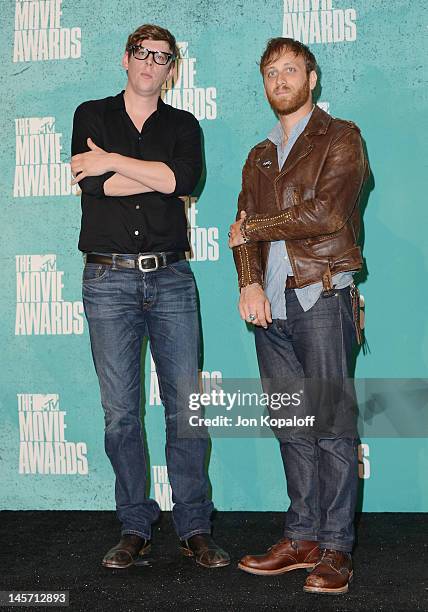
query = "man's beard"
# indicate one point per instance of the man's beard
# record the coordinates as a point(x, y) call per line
point(291, 104)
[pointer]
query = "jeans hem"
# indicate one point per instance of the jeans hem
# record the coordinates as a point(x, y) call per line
point(143, 535)
point(346, 548)
point(189, 534)
point(300, 536)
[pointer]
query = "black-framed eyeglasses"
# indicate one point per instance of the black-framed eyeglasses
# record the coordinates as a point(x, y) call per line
point(159, 57)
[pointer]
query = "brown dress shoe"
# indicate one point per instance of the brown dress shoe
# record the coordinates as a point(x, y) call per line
point(206, 552)
point(331, 574)
point(128, 552)
point(284, 556)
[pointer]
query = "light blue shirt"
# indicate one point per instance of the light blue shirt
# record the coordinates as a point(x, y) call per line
point(279, 266)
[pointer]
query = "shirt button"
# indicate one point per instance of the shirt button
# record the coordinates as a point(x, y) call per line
point(137, 207)
point(136, 232)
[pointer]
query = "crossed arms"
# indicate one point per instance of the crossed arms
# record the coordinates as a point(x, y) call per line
point(101, 173)
point(130, 176)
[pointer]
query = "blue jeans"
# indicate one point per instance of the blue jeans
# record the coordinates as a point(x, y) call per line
point(321, 470)
point(122, 306)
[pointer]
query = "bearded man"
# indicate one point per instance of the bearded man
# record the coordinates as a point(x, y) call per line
point(295, 250)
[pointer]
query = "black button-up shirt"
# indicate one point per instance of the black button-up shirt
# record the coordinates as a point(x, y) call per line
point(145, 222)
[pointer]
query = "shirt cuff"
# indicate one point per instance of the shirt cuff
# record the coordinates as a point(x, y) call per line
point(94, 185)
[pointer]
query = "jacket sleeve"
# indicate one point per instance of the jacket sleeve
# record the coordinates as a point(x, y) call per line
point(86, 124)
point(186, 163)
point(247, 256)
point(338, 189)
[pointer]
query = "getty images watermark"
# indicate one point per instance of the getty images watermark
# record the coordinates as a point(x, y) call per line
point(243, 400)
point(371, 408)
point(230, 409)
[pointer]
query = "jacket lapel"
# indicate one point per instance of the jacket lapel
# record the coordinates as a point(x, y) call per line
point(317, 124)
point(267, 162)
point(301, 148)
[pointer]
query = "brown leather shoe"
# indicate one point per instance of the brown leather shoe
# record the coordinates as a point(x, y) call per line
point(284, 556)
point(331, 574)
point(128, 552)
point(206, 552)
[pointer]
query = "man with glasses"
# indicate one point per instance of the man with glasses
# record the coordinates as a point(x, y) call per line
point(133, 157)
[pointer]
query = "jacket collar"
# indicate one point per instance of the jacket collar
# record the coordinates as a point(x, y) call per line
point(318, 123)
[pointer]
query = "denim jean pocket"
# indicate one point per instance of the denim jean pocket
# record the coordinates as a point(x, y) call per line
point(93, 272)
point(181, 268)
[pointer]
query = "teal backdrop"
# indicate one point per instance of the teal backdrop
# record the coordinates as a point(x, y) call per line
point(55, 55)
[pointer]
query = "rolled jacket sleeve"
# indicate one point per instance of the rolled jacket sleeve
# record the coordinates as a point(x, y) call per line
point(186, 163)
point(86, 125)
point(247, 257)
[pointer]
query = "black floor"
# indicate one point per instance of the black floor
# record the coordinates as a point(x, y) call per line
point(63, 550)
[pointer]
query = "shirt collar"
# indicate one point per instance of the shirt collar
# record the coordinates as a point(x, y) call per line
point(276, 134)
point(118, 102)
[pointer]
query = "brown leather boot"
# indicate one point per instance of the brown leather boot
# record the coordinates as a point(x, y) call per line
point(284, 556)
point(331, 574)
point(205, 551)
point(129, 551)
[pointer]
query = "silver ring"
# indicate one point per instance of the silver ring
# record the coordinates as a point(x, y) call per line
point(252, 317)
point(229, 234)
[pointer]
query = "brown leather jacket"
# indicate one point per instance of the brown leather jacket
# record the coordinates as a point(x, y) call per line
point(312, 203)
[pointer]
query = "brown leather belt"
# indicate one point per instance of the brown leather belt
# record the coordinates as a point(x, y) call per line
point(290, 283)
point(145, 262)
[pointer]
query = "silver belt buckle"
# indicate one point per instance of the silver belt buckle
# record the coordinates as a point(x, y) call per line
point(140, 259)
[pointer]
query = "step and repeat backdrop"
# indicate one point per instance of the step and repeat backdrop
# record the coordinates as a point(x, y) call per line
point(56, 54)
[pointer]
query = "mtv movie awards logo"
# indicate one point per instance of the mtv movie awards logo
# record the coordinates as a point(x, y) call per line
point(161, 487)
point(40, 306)
point(39, 35)
point(181, 91)
point(207, 382)
point(43, 447)
point(39, 170)
point(363, 461)
point(203, 240)
point(316, 21)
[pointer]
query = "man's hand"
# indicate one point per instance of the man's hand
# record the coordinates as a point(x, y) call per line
point(254, 306)
point(235, 235)
point(92, 163)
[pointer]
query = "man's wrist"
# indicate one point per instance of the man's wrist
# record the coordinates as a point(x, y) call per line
point(251, 286)
point(113, 162)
